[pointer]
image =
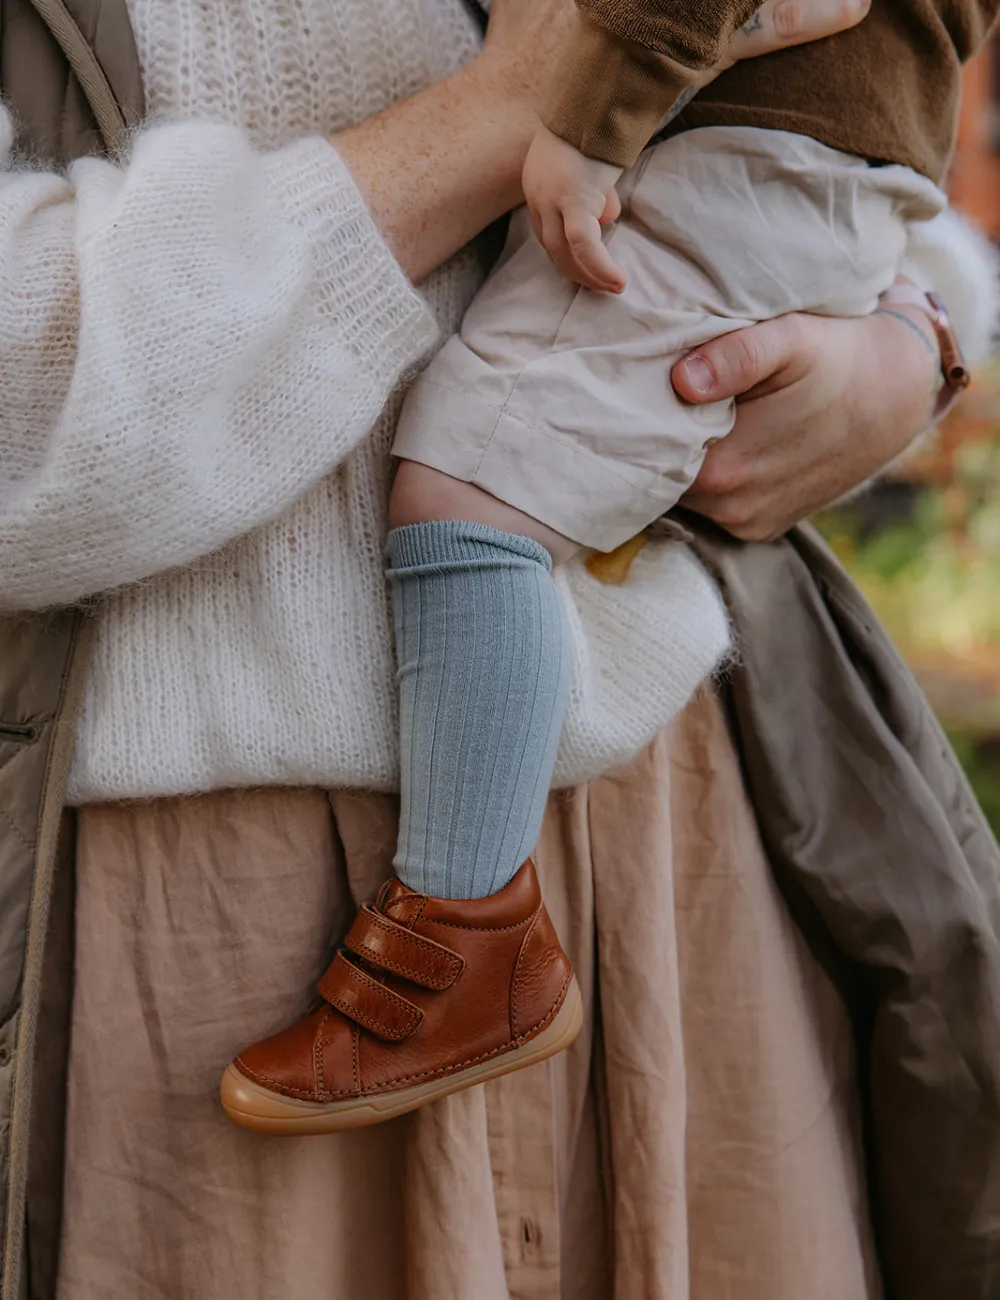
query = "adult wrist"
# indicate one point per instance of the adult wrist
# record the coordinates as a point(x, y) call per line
point(953, 374)
point(502, 85)
point(502, 100)
point(909, 328)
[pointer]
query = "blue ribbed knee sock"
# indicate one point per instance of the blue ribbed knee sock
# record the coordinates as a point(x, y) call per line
point(483, 676)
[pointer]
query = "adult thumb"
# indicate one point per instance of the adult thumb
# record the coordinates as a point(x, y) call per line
point(734, 364)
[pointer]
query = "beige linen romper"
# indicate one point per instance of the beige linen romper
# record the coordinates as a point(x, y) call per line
point(557, 400)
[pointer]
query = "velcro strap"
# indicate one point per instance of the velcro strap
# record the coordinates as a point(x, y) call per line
point(392, 947)
point(368, 1002)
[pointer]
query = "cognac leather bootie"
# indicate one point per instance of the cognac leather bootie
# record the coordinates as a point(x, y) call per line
point(426, 997)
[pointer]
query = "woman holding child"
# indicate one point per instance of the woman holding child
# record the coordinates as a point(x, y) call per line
point(202, 346)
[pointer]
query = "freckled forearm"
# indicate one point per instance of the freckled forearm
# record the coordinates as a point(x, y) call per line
point(438, 168)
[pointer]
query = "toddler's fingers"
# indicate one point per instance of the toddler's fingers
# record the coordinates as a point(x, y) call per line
point(553, 239)
point(594, 266)
point(561, 255)
point(612, 209)
point(536, 224)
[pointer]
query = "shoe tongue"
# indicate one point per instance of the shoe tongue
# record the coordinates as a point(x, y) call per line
point(400, 903)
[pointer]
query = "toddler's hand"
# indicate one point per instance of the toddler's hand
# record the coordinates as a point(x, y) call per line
point(570, 197)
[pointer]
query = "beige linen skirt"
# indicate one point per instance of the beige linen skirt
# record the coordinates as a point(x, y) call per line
point(699, 1141)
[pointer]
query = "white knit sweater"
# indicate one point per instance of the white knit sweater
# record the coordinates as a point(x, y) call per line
point(201, 350)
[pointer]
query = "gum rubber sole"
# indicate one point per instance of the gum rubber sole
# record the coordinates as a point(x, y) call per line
point(253, 1107)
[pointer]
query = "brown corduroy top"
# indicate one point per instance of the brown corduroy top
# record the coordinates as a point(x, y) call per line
point(887, 90)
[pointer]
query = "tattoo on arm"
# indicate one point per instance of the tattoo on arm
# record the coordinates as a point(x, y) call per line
point(680, 106)
point(912, 325)
point(756, 24)
point(933, 351)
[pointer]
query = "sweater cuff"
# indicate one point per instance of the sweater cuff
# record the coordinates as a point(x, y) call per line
point(360, 287)
point(610, 94)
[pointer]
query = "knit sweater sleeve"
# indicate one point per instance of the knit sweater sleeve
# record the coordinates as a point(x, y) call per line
point(629, 62)
point(189, 340)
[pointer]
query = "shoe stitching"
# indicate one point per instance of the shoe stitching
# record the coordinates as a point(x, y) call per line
point(407, 936)
point(484, 1056)
point(393, 1000)
point(377, 1028)
point(426, 1074)
point(517, 967)
point(441, 954)
point(440, 983)
point(322, 1041)
point(480, 929)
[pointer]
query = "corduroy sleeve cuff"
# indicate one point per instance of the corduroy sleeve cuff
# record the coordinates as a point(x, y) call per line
point(610, 94)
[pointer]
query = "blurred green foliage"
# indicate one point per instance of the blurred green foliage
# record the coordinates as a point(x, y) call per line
point(982, 766)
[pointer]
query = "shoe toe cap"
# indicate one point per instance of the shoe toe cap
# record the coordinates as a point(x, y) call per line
point(311, 1060)
point(285, 1062)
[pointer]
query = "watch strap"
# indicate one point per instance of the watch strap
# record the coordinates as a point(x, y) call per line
point(955, 375)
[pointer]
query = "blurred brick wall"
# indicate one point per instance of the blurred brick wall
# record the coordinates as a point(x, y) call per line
point(975, 175)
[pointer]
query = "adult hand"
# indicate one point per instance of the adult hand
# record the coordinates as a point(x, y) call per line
point(437, 168)
point(523, 43)
point(792, 22)
point(525, 37)
point(823, 405)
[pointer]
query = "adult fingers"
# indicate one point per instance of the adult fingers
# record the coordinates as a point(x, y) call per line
point(779, 24)
point(797, 22)
point(748, 359)
point(850, 411)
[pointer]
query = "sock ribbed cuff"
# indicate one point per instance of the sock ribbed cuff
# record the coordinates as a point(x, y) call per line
point(445, 544)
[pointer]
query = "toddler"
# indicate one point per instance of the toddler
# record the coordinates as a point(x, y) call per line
point(549, 424)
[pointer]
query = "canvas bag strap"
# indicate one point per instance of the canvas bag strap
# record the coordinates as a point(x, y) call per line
point(93, 81)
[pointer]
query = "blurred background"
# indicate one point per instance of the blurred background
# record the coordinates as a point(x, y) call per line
point(925, 544)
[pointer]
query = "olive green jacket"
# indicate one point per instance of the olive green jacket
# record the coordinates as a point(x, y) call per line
point(872, 832)
point(69, 70)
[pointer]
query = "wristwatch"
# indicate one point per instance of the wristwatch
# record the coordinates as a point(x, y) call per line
point(955, 376)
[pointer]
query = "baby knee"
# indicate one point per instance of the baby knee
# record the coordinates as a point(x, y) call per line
point(421, 495)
